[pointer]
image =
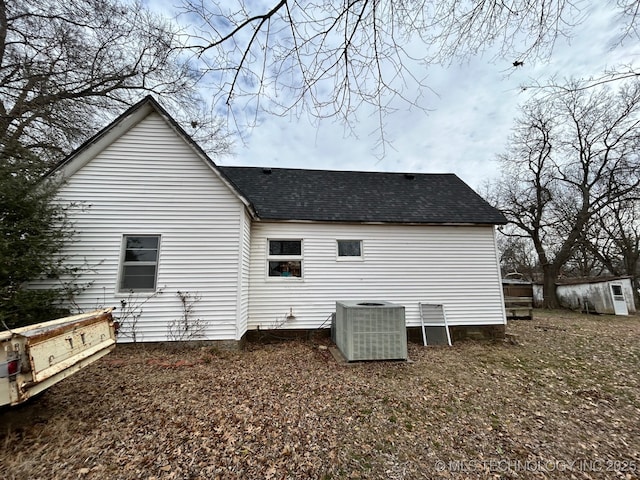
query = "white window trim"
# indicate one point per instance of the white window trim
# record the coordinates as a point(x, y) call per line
point(119, 291)
point(285, 258)
point(359, 258)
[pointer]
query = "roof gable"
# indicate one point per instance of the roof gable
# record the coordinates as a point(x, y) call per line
point(341, 196)
point(129, 119)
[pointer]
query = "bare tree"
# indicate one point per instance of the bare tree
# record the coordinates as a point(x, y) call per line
point(327, 58)
point(569, 158)
point(614, 239)
point(583, 263)
point(517, 256)
point(66, 67)
point(628, 32)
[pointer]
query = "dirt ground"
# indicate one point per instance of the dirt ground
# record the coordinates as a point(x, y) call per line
point(564, 402)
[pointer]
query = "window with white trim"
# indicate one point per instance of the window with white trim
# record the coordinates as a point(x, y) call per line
point(139, 264)
point(349, 249)
point(284, 258)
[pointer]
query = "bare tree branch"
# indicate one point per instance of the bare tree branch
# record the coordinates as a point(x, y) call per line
point(67, 67)
point(329, 59)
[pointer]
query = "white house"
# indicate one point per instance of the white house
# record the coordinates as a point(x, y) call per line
point(253, 248)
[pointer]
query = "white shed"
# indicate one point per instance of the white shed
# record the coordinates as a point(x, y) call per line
point(611, 295)
point(599, 295)
point(165, 228)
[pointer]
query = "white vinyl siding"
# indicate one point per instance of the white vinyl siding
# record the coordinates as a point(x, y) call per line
point(452, 265)
point(243, 284)
point(150, 182)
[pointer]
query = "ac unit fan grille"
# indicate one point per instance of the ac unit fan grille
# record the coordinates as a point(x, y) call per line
point(371, 332)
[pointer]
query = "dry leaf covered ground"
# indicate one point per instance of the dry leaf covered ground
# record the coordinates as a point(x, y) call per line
point(562, 403)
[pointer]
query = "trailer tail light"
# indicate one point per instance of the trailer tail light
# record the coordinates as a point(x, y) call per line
point(9, 368)
point(13, 367)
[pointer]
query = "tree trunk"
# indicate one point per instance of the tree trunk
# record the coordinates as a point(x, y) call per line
point(635, 284)
point(549, 292)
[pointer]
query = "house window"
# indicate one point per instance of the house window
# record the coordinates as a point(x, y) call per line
point(285, 258)
point(139, 263)
point(349, 249)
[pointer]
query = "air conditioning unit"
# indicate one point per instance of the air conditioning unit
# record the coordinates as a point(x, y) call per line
point(371, 330)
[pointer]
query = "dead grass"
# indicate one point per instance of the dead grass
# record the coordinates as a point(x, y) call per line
point(563, 403)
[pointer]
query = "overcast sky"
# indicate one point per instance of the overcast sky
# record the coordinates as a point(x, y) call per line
point(471, 111)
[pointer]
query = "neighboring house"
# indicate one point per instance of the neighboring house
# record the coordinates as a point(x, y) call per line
point(255, 248)
point(610, 295)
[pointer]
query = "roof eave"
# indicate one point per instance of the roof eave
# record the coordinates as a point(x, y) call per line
point(105, 137)
point(369, 222)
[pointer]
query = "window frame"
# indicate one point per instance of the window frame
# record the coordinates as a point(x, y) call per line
point(284, 258)
point(124, 263)
point(349, 258)
point(617, 287)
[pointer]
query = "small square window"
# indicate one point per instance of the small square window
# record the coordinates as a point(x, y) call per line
point(139, 266)
point(350, 248)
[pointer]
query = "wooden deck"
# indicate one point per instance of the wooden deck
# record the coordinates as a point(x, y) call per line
point(519, 307)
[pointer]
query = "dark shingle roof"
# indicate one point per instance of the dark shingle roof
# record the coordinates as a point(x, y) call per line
point(337, 196)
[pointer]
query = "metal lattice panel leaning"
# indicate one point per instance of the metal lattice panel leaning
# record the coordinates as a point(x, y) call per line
point(435, 330)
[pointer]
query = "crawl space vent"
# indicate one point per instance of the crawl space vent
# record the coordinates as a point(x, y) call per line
point(371, 330)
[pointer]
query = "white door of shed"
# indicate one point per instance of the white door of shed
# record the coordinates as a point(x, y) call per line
point(619, 302)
